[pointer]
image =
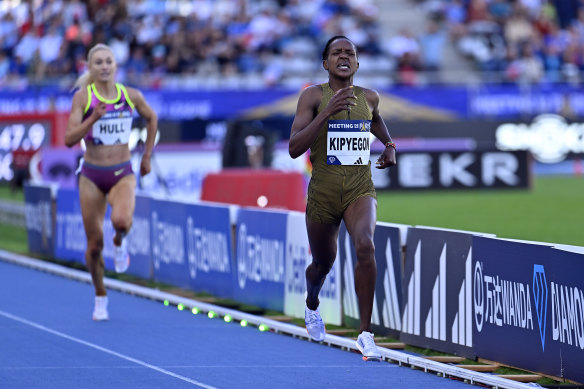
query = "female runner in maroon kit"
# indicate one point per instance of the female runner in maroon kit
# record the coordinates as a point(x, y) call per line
point(101, 116)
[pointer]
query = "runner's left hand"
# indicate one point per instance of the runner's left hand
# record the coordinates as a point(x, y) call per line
point(145, 165)
point(386, 159)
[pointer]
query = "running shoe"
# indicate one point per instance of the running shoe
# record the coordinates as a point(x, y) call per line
point(366, 345)
point(314, 324)
point(121, 257)
point(100, 308)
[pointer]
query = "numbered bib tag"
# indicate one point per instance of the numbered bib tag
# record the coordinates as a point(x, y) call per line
point(348, 142)
point(113, 128)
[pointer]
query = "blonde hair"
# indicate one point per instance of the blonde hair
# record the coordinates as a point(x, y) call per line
point(85, 79)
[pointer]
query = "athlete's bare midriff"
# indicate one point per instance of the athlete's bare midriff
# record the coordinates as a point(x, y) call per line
point(106, 155)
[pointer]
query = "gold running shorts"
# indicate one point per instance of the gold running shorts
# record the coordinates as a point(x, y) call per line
point(329, 195)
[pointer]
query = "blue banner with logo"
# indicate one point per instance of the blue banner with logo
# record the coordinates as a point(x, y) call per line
point(40, 225)
point(528, 302)
point(70, 240)
point(209, 253)
point(260, 273)
point(387, 305)
point(168, 239)
point(139, 246)
point(437, 285)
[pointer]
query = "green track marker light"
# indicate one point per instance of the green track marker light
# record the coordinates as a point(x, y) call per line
point(263, 327)
point(166, 303)
point(211, 314)
point(195, 311)
point(243, 323)
point(227, 318)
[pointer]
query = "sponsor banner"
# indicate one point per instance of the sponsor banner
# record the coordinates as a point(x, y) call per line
point(298, 257)
point(418, 104)
point(168, 221)
point(168, 104)
point(437, 291)
point(460, 170)
point(517, 101)
point(260, 255)
point(40, 224)
point(386, 315)
point(529, 295)
point(70, 240)
point(209, 249)
point(549, 138)
point(139, 244)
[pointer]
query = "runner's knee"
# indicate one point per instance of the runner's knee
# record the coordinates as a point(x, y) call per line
point(94, 247)
point(364, 248)
point(122, 223)
point(322, 267)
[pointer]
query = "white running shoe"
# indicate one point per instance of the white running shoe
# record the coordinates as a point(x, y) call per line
point(100, 308)
point(366, 345)
point(314, 324)
point(121, 257)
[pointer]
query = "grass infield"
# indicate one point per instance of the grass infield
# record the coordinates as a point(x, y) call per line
point(551, 211)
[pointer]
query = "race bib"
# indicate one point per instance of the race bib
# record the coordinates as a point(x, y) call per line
point(113, 128)
point(348, 142)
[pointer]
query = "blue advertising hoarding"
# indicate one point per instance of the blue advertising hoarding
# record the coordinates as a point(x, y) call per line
point(260, 256)
point(528, 302)
point(168, 239)
point(139, 246)
point(70, 240)
point(40, 225)
point(209, 249)
point(437, 309)
point(433, 102)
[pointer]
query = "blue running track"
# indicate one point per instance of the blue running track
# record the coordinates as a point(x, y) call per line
point(49, 340)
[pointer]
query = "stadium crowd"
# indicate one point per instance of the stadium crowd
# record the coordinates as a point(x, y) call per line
point(525, 41)
point(264, 43)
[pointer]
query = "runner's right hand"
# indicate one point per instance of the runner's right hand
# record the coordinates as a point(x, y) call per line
point(100, 110)
point(342, 100)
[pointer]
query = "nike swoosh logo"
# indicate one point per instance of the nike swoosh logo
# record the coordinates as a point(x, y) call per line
point(118, 172)
point(119, 105)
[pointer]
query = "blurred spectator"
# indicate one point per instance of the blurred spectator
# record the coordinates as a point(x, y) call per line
point(8, 31)
point(552, 63)
point(566, 11)
point(120, 48)
point(431, 47)
point(402, 43)
point(407, 69)
point(518, 29)
point(532, 69)
point(4, 66)
point(27, 47)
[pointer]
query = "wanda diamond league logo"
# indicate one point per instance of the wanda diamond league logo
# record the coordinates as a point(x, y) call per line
point(540, 297)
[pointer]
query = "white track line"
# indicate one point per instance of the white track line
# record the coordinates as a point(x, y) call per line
point(103, 349)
